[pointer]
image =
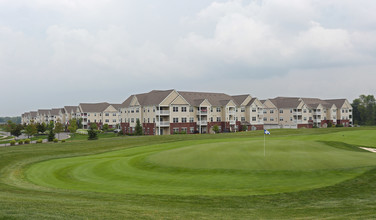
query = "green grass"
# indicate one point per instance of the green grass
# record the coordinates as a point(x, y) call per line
point(84, 136)
point(311, 174)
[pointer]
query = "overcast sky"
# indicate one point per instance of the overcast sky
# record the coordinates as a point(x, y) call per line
point(56, 53)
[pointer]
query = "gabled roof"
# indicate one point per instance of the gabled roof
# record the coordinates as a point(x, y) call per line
point(94, 107)
point(315, 102)
point(56, 111)
point(239, 99)
point(252, 101)
point(44, 111)
point(286, 102)
point(216, 99)
point(117, 106)
point(33, 114)
point(337, 102)
point(152, 98)
point(70, 109)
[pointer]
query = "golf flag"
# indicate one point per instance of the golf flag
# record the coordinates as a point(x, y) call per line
point(266, 131)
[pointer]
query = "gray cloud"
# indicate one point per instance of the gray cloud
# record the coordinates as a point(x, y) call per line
point(55, 53)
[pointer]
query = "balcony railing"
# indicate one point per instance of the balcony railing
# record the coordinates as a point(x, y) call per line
point(202, 123)
point(232, 122)
point(162, 123)
point(231, 112)
point(297, 113)
point(202, 112)
point(163, 112)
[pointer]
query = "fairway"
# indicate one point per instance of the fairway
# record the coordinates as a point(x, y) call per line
point(207, 167)
point(305, 174)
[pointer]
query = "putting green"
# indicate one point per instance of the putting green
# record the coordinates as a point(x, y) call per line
point(206, 167)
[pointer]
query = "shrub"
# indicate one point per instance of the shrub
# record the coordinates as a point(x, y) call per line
point(216, 129)
point(20, 142)
point(39, 141)
point(27, 141)
point(93, 135)
point(63, 141)
point(56, 140)
point(12, 142)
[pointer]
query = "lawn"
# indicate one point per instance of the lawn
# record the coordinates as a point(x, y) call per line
point(307, 173)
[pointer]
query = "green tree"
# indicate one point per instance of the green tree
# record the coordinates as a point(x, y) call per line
point(79, 123)
point(92, 132)
point(216, 129)
point(72, 128)
point(31, 129)
point(41, 127)
point(105, 127)
point(51, 133)
point(58, 129)
point(138, 127)
point(364, 110)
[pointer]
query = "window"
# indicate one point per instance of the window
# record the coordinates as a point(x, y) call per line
point(265, 118)
point(254, 109)
point(253, 118)
point(343, 111)
point(242, 109)
point(211, 109)
point(184, 130)
point(153, 120)
point(211, 119)
point(310, 118)
point(183, 109)
point(271, 119)
point(95, 114)
point(290, 110)
point(148, 120)
point(132, 120)
point(175, 120)
point(264, 111)
point(191, 130)
point(218, 109)
point(184, 120)
point(114, 114)
point(107, 114)
point(218, 118)
point(88, 121)
point(176, 130)
point(137, 110)
point(242, 119)
point(290, 118)
point(191, 119)
point(280, 118)
point(144, 120)
point(107, 120)
point(175, 109)
point(114, 120)
point(271, 111)
point(191, 109)
point(305, 118)
point(132, 110)
point(281, 111)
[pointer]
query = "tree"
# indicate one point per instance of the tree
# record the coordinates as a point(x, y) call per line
point(41, 127)
point(51, 133)
point(364, 110)
point(138, 127)
point(216, 129)
point(17, 130)
point(79, 123)
point(72, 128)
point(92, 132)
point(31, 129)
point(58, 128)
point(105, 127)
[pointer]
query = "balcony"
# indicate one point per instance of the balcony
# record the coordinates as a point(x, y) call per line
point(231, 112)
point(163, 112)
point(298, 121)
point(162, 124)
point(202, 123)
point(316, 113)
point(297, 113)
point(232, 122)
point(202, 112)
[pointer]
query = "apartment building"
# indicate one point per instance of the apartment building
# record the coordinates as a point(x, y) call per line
point(169, 111)
point(99, 113)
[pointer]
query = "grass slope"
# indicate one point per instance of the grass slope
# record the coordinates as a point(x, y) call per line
point(19, 198)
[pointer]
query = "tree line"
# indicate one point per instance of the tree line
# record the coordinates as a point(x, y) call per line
point(16, 120)
point(364, 110)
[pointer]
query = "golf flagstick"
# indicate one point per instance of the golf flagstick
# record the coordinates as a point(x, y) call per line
point(264, 144)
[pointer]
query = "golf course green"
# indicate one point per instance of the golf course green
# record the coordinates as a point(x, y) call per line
point(318, 171)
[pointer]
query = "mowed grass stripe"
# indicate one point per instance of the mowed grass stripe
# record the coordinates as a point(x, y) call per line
point(209, 167)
